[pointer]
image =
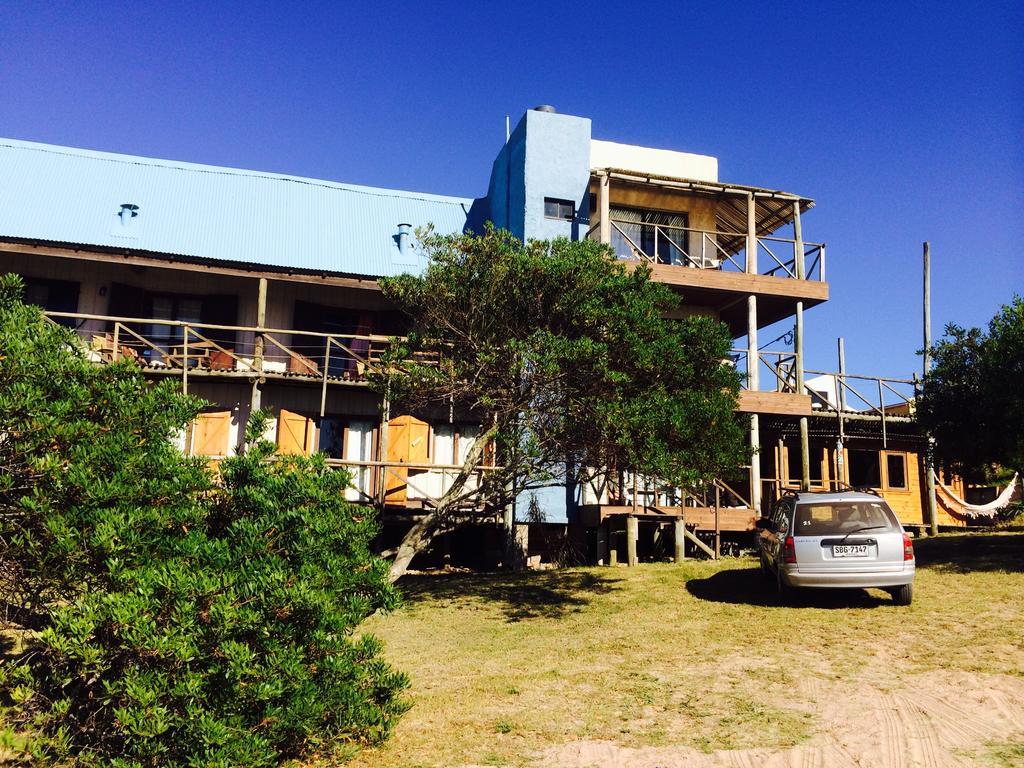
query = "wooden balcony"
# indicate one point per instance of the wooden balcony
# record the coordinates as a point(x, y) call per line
point(712, 268)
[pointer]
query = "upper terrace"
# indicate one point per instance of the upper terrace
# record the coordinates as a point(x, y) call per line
point(713, 239)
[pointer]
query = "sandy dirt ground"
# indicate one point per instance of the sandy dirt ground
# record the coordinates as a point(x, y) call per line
point(940, 719)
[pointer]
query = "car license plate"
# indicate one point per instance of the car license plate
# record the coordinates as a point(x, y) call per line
point(850, 550)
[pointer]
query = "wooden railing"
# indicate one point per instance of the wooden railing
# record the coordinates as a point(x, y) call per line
point(191, 350)
point(713, 249)
point(377, 482)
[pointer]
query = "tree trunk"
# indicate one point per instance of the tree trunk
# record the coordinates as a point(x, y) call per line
point(425, 529)
point(415, 541)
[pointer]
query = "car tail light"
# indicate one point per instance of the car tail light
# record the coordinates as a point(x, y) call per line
point(908, 548)
point(789, 550)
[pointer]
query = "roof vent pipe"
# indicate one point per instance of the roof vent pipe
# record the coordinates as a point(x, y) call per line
point(128, 212)
point(403, 238)
point(544, 108)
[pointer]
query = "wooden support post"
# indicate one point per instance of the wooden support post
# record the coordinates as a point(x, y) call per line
point(805, 451)
point(632, 534)
point(256, 398)
point(327, 367)
point(801, 274)
point(841, 384)
point(929, 461)
point(881, 407)
point(798, 244)
point(184, 363)
point(718, 526)
point(753, 384)
point(605, 208)
point(382, 452)
point(751, 235)
point(679, 531)
point(115, 355)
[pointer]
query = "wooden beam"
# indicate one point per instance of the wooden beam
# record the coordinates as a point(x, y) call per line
point(700, 544)
point(811, 291)
point(775, 403)
point(169, 261)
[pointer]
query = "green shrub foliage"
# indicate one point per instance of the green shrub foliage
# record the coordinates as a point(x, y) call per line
point(175, 615)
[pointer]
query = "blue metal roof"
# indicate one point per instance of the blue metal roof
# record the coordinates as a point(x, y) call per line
point(65, 195)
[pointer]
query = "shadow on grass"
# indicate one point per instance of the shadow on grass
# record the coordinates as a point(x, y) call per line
point(532, 595)
point(746, 586)
point(972, 552)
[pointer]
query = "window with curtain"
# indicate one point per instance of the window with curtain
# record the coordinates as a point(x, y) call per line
point(661, 236)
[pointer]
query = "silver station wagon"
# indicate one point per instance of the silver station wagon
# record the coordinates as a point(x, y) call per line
point(845, 540)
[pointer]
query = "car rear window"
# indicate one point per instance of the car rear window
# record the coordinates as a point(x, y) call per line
point(844, 517)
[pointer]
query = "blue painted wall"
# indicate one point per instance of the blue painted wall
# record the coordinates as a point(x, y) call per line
point(558, 166)
point(546, 156)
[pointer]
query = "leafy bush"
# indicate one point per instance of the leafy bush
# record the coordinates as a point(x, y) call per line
point(180, 617)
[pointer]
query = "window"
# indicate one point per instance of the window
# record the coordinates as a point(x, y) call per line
point(896, 467)
point(843, 518)
point(129, 301)
point(795, 468)
point(559, 209)
point(53, 296)
point(865, 470)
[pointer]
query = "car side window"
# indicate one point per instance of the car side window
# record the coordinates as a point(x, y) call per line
point(783, 516)
point(778, 515)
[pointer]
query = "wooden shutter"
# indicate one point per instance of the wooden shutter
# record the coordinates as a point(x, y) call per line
point(295, 433)
point(210, 434)
point(408, 439)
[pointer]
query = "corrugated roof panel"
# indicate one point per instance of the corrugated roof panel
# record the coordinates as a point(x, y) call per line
point(68, 195)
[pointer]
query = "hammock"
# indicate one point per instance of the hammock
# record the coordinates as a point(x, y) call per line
point(981, 510)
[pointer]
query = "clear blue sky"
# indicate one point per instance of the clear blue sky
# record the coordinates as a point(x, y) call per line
point(904, 121)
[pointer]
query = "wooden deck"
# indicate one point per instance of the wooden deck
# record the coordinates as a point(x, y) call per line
point(730, 519)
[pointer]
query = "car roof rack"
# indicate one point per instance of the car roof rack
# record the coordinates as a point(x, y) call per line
point(861, 489)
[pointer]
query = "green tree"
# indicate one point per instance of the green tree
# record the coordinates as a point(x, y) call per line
point(971, 400)
point(174, 616)
point(567, 358)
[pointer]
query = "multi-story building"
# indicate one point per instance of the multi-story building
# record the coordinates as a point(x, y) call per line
point(258, 290)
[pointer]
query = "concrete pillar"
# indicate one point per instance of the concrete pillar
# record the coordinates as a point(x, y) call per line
point(679, 529)
point(601, 541)
point(521, 546)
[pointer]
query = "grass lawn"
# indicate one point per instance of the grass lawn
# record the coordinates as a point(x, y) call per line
point(697, 664)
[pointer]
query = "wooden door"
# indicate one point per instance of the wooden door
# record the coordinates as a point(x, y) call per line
point(210, 434)
point(295, 433)
point(407, 444)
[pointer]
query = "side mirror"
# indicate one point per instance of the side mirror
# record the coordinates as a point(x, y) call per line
point(764, 524)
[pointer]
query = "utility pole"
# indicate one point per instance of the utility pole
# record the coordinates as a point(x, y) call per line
point(929, 460)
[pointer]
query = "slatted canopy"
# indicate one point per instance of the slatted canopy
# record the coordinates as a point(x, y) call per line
point(773, 209)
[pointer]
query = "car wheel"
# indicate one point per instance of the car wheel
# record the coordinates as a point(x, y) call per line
point(902, 595)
